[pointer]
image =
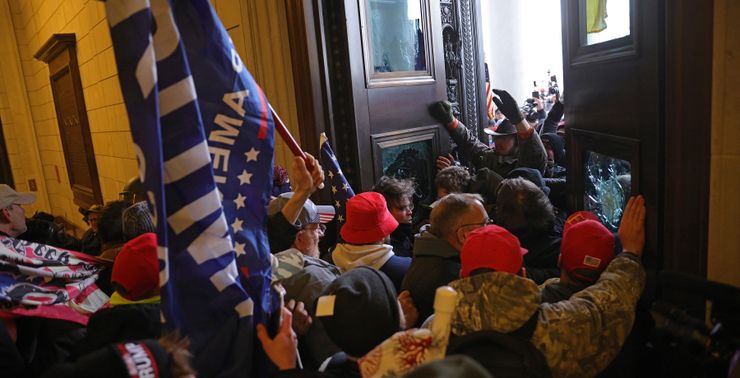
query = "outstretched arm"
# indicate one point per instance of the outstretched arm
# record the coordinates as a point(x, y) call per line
point(468, 141)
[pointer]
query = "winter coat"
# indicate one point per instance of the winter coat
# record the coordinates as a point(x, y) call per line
point(543, 249)
point(578, 337)
point(120, 323)
point(402, 240)
point(554, 291)
point(304, 278)
point(530, 153)
point(435, 264)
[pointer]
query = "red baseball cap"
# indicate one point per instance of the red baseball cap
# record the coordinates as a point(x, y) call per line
point(368, 219)
point(579, 216)
point(586, 245)
point(136, 267)
point(491, 247)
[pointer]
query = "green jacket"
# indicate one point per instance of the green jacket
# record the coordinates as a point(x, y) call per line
point(530, 152)
point(578, 337)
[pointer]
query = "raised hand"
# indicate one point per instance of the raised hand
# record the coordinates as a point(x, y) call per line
point(632, 226)
point(282, 350)
point(304, 180)
point(507, 105)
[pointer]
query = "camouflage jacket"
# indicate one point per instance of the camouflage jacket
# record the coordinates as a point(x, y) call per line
point(530, 152)
point(578, 337)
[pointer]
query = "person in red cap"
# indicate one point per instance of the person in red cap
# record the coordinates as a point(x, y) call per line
point(134, 311)
point(491, 249)
point(577, 337)
point(365, 235)
point(586, 250)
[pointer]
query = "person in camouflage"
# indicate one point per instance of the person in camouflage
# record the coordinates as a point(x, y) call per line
point(578, 337)
point(516, 145)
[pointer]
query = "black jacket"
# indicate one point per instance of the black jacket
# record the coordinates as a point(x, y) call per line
point(541, 260)
point(402, 240)
point(435, 264)
point(120, 323)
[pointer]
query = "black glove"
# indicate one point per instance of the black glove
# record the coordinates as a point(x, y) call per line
point(507, 105)
point(442, 112)
point(556, 112)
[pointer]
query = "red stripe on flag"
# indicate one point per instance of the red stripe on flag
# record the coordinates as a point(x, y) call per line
point(263, 115)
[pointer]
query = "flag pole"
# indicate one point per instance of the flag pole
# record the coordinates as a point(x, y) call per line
point(290, 141)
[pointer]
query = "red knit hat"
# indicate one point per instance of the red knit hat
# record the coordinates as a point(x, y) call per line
point(368, 219)
point(586, 245)
point(491, 247)
point(136, 267)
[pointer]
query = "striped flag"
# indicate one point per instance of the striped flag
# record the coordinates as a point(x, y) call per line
point(48, 282)
point(339, 189)
point(489, 95)
point(204, 141)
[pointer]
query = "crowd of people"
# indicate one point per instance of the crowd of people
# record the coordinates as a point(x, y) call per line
point(541, 292)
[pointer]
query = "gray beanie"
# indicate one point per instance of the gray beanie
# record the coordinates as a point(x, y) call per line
point(137, 220)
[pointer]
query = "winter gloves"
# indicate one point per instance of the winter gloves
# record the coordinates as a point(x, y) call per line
point(442, 112)
point(507, 105)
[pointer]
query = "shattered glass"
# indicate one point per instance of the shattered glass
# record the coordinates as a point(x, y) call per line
point(608, 187)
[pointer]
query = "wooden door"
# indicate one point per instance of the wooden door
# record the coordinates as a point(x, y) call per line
point(385, 64)
point(60, 53)
point(637, 101)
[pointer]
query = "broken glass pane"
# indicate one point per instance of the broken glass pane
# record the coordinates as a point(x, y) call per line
point(608, 187)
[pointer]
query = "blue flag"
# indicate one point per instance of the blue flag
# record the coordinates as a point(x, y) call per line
point(339, 188)
point(204, 140)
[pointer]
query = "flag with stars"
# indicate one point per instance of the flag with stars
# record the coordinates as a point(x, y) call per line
point(339, 188)
point(204, 140)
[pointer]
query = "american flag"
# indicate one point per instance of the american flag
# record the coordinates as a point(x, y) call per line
point(339, 188)
point(489, 94)
point(204, 141)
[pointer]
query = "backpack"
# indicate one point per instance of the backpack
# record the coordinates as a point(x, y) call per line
point(504, 354)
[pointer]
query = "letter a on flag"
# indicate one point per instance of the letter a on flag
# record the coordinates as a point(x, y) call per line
point(204, 141)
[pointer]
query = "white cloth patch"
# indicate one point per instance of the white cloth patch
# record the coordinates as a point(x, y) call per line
point(591, 261)
point(325, 306)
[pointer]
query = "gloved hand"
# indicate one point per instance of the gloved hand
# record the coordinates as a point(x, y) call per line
point(507, 105)
point(556, 112)
point(442, 112)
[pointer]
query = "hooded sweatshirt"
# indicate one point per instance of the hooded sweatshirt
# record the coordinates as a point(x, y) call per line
point(377, 256)
point(578, 337)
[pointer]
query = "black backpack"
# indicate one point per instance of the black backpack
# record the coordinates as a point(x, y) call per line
point(504, 354)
